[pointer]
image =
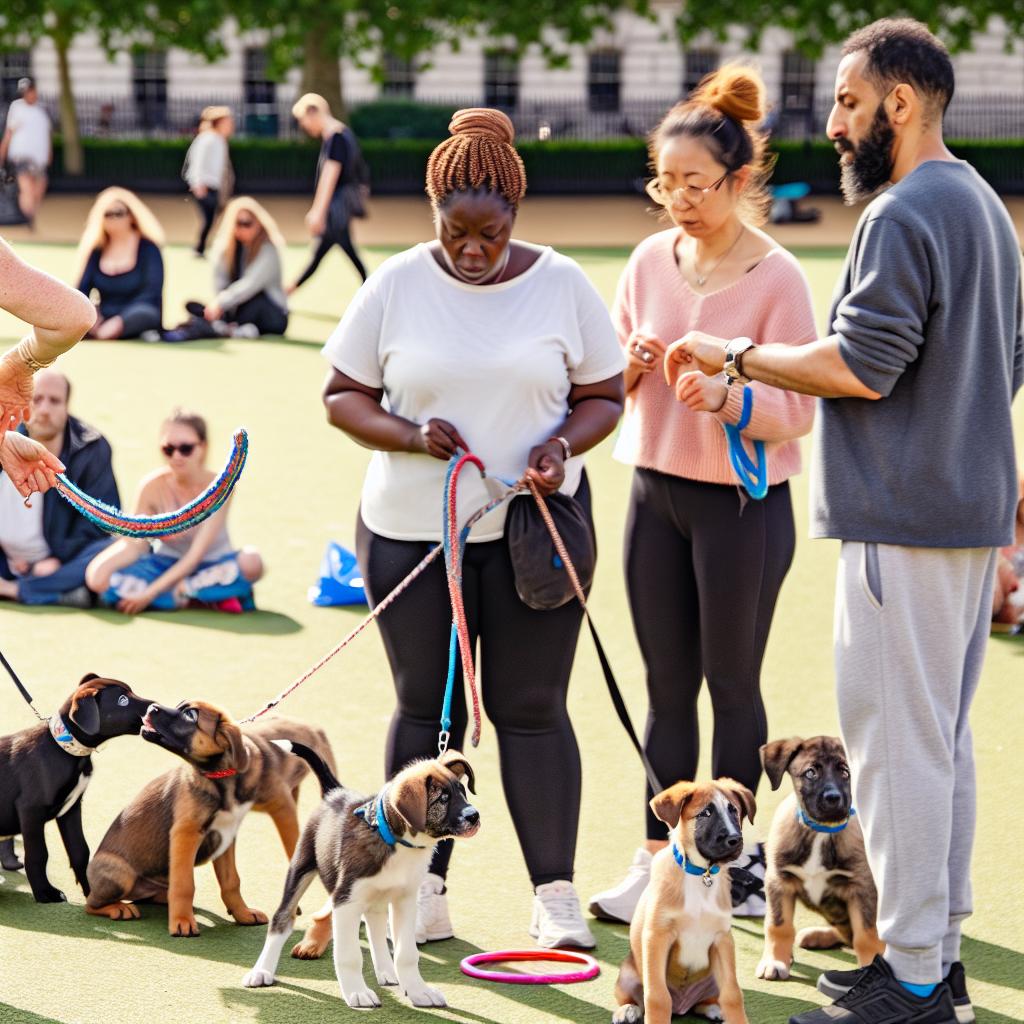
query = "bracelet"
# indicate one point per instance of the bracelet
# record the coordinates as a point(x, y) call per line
point(23, 350)
point(566, 447)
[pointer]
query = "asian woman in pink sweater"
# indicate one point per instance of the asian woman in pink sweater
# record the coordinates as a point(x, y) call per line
point(704, 563)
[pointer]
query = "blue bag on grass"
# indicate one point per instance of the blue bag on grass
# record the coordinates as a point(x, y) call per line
point(340, 580)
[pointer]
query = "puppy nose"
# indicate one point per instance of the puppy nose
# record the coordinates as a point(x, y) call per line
point(733, 841)
point(471, 814)
point(832, 797)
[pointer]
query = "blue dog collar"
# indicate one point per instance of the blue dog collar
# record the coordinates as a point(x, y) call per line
point(692, 869)
point(377, 820)
point(823, 826)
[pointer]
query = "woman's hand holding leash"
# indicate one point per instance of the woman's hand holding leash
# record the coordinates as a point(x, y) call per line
point(700, 393)
point(437, 438)
point(30, 466)
point(545, 466)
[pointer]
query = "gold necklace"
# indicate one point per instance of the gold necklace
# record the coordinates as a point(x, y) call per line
point(702, 278)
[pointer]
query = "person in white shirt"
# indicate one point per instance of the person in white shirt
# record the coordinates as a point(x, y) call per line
point(26, 144)
point(503, 348)
point(207, 168)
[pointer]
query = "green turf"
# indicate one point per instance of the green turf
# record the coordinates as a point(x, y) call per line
point(301, 488)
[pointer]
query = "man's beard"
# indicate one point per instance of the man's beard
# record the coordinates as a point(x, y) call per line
point(872, 163)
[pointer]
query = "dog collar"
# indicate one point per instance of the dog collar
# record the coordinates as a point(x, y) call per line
point(221, 773)
point(706, 874)
point(61, 733)
point(373, 814)
point(823, 826)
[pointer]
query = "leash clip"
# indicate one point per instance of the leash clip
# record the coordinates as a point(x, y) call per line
point(442, 741)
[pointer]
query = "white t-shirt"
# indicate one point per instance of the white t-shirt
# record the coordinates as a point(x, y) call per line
point(206, 160)
point(496, 361)
point(21, 529)
point(30, 133)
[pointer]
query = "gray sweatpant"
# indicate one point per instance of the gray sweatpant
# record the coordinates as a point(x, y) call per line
point(910, 631)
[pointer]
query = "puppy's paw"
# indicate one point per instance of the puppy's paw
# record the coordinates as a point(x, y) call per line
point(362, 998)
point(117, 911)
point(50, 895)
point(426, 996)
point(247, 915)
point(628, 1014)
point(818, 938)
point(386, 976)
point(711, 1011)
point(772, 970)
point(258, 978)
point(308, 949)
point(184, 927)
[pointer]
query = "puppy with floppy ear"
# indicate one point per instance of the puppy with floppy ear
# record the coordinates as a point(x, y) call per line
point(815, 854)
point(682, 958)
point(371, 853)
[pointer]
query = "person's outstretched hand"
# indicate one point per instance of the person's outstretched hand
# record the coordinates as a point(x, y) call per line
point(15, 392)
point(30, 466)
point(694, 351)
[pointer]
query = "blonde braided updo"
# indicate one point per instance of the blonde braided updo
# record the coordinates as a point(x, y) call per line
point(479, 155)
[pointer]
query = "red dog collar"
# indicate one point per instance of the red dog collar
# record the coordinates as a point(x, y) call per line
point(222, 774)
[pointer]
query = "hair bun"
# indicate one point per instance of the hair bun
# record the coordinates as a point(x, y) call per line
point(483, 121)
point(735, 91)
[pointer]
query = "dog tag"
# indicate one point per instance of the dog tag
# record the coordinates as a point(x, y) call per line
point(707, 879)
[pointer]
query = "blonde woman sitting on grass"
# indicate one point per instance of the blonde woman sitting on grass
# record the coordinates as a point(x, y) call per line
point(250, 298)
point(198, 566)
point(119, 258)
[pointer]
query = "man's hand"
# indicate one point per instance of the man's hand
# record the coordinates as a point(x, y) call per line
point(137, 603)
point(30, 466)
point(700, 393)
point(15, 392)
point(316, 222)
point(546, 467)
point(200, 191)
point(695, 351)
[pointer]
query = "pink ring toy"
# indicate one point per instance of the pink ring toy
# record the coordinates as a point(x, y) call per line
point(589, 964)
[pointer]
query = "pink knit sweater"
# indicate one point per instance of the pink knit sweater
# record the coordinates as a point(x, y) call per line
point(772, 303)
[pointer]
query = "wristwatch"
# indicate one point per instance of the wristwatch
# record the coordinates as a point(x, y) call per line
point(733, 360)
point(566, 447)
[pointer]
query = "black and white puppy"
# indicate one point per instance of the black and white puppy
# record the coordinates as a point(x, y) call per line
point(45, 769)
point(372, 853)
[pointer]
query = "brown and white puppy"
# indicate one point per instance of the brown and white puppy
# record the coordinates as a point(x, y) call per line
point(681, 954)
point(371, 853)
point(191, 814)
point(815, 854)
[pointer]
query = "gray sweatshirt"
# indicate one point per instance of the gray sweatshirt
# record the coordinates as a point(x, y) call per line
point(263, 274)
point(928, 314)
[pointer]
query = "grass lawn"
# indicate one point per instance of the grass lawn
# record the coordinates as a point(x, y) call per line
point(301, 488)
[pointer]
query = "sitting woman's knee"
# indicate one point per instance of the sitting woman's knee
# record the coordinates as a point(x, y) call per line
point(250, 563)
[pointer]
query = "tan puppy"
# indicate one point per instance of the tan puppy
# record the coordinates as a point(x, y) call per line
point(681, 954)
point(191, 814)
point(815, 854)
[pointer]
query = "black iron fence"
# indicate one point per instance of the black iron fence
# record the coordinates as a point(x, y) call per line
point(990, 117)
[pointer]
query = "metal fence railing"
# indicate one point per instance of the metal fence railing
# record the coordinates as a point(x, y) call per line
point(999, 116)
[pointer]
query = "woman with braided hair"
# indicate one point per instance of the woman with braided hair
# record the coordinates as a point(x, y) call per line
point(492, 345)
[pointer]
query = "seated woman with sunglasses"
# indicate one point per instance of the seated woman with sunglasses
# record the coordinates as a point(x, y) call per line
point(199, 566)
point(120, 259)
point(250, 298)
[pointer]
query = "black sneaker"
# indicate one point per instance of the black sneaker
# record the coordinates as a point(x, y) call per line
point(836, 984)
point(878, 998)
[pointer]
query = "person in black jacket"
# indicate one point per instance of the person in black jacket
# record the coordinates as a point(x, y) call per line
point(44, 548)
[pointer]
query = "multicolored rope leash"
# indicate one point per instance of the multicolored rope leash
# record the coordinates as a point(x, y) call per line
point(113, 520)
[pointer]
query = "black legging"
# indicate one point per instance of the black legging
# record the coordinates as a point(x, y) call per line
point(703, 580)
point(338, 235)
point(208, 211)
point(262, 311)
point(524, 664)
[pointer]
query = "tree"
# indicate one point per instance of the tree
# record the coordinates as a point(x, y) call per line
point(120, 25)
point(815, 24)
point(316, 34)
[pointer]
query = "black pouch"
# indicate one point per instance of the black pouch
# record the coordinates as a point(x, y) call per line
point(542, 581)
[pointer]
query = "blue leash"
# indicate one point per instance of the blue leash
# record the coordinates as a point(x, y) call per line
point(753, 475)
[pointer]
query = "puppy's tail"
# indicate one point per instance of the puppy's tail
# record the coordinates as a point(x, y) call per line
point(327, 780)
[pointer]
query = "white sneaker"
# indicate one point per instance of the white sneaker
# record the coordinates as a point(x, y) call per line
point(432, 920)
point(557, 919)
point(618, 904)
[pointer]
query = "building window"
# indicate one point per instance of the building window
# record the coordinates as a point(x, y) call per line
point(501, 79)
point(797, 83)
point(697, 64)
point(258, 86)
point(14, 64)
point(149, 86)
point(399, 76)
point(604, 81)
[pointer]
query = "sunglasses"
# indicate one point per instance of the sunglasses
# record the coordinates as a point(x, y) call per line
point(185, 449)
point(114, 214)
point(244, 223)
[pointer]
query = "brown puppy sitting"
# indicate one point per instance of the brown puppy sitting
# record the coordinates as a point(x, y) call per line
point(191, 814)
point(681, 954)
point(815, 854)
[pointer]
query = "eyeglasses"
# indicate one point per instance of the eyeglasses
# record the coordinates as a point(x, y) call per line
point(689, 194)
point(185, 449)
point(114, 214)
point(244, 223)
